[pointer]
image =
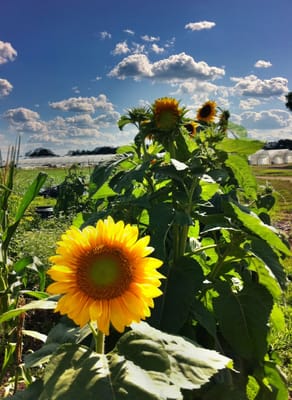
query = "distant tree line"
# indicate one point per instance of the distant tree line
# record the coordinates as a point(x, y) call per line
point(96, 151)
point(43, 152)
point(280, 144)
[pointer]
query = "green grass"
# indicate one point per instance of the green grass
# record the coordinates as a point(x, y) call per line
point(273, 171)
point(37, 236)
point(282, 190)
point(55, 176)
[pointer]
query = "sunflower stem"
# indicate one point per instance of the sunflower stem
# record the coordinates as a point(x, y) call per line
point(98, 337)
point(100, 342)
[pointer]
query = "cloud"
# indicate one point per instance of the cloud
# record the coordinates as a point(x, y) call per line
point(170, 43)
point(129, 31)
point(121, 48)
point(200, 91)
point(249, 104)
point(198, 26)
point(78, 130)
point(157, 49)
point(83, 104)
point(175, 68)
point(263, 64)
point(24, 120)
point(81, 130)
point(76, 89)
point(254, 87)
point(182, 66)
point(268, 119)
point(136, 66)
point(7, 52)
point(105, 120)
point(270, 135)
point(20, 115)
point(138, 48)
point(148, 38)
point(5, 87)
point(105, 35)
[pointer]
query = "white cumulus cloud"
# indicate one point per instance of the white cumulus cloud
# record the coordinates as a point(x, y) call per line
point(83, 104)
point(199, 26)
point(79, 130)
point(20, 115)
point(182, 66)
point(136, 66)
point(248, 104)
point(176, 68)
point(253, 86)
point(121, 48)
point(24, 120)
point(157, 49)
point(5, 87)
point(263, 64)
point(267, 119)
point(7, 52)
point(201, 91)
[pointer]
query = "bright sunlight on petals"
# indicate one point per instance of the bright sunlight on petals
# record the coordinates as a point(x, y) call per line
point(104, 275)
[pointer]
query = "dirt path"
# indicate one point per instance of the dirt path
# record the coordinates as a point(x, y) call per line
point(279, 178)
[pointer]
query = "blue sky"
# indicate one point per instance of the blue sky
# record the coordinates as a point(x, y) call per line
point(70, 68)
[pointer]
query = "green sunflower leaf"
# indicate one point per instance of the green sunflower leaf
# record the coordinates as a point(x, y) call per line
point(243, 318)
point(240, 146)
point(103, 171)
point(179, 298)
point(146, 364)
point(243, 174)
point(33, 305)
point(253, 224)
point(208, 187)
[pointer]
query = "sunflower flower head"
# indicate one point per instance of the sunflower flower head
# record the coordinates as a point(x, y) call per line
point(207, 112)
point(191, 127)
point(105, 275)
point(166, 113)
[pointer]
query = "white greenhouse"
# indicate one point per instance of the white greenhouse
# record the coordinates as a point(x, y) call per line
point(268, 157)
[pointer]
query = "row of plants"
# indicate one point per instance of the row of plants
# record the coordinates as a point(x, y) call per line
point(173, 230)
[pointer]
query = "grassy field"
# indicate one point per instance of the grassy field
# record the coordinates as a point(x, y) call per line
point(55, 176)
point(281, 170)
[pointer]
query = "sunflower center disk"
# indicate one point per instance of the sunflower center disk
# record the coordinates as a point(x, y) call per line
point(105, 275)
point(206, 111)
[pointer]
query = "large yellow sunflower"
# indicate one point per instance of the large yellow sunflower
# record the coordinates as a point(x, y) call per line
point(105, 275)
point(207, 112)
point(166, 113)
